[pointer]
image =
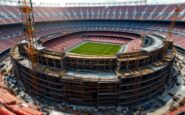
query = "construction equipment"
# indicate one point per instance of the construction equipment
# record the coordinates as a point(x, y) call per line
point(173, 22)
point(168, 41)
point(26, 9)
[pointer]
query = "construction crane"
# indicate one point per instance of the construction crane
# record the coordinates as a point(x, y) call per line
point(173, 22)
point(168, 39)
point(26, 9)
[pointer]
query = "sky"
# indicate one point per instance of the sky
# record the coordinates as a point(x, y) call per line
point(100, 1)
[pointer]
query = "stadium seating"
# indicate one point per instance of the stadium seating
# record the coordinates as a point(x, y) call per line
point(118, 38)
point(134, 45)
point(11, 30)
point(62, 44)
point(107, 39)
point(7, 98)
point(11, 14)
point(10, 38)
point(11, 105)
point(5, 111)
point(23, 110)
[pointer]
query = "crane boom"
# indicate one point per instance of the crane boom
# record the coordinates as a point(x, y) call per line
point(28, 22)
point(173, 22)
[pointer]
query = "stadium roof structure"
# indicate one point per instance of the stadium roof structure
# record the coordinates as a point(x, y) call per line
point(82, 4)
point(138, 2)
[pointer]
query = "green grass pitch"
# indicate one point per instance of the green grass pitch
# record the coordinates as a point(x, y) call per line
point(98, 49)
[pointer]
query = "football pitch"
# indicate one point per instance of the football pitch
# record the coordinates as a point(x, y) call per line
point(97, 49)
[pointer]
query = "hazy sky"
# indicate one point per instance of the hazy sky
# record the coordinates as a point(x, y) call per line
point(88, 1)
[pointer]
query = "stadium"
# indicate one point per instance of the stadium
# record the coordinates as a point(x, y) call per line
point(92, 58)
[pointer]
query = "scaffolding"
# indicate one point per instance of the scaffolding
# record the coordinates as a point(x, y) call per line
point(129, 86)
